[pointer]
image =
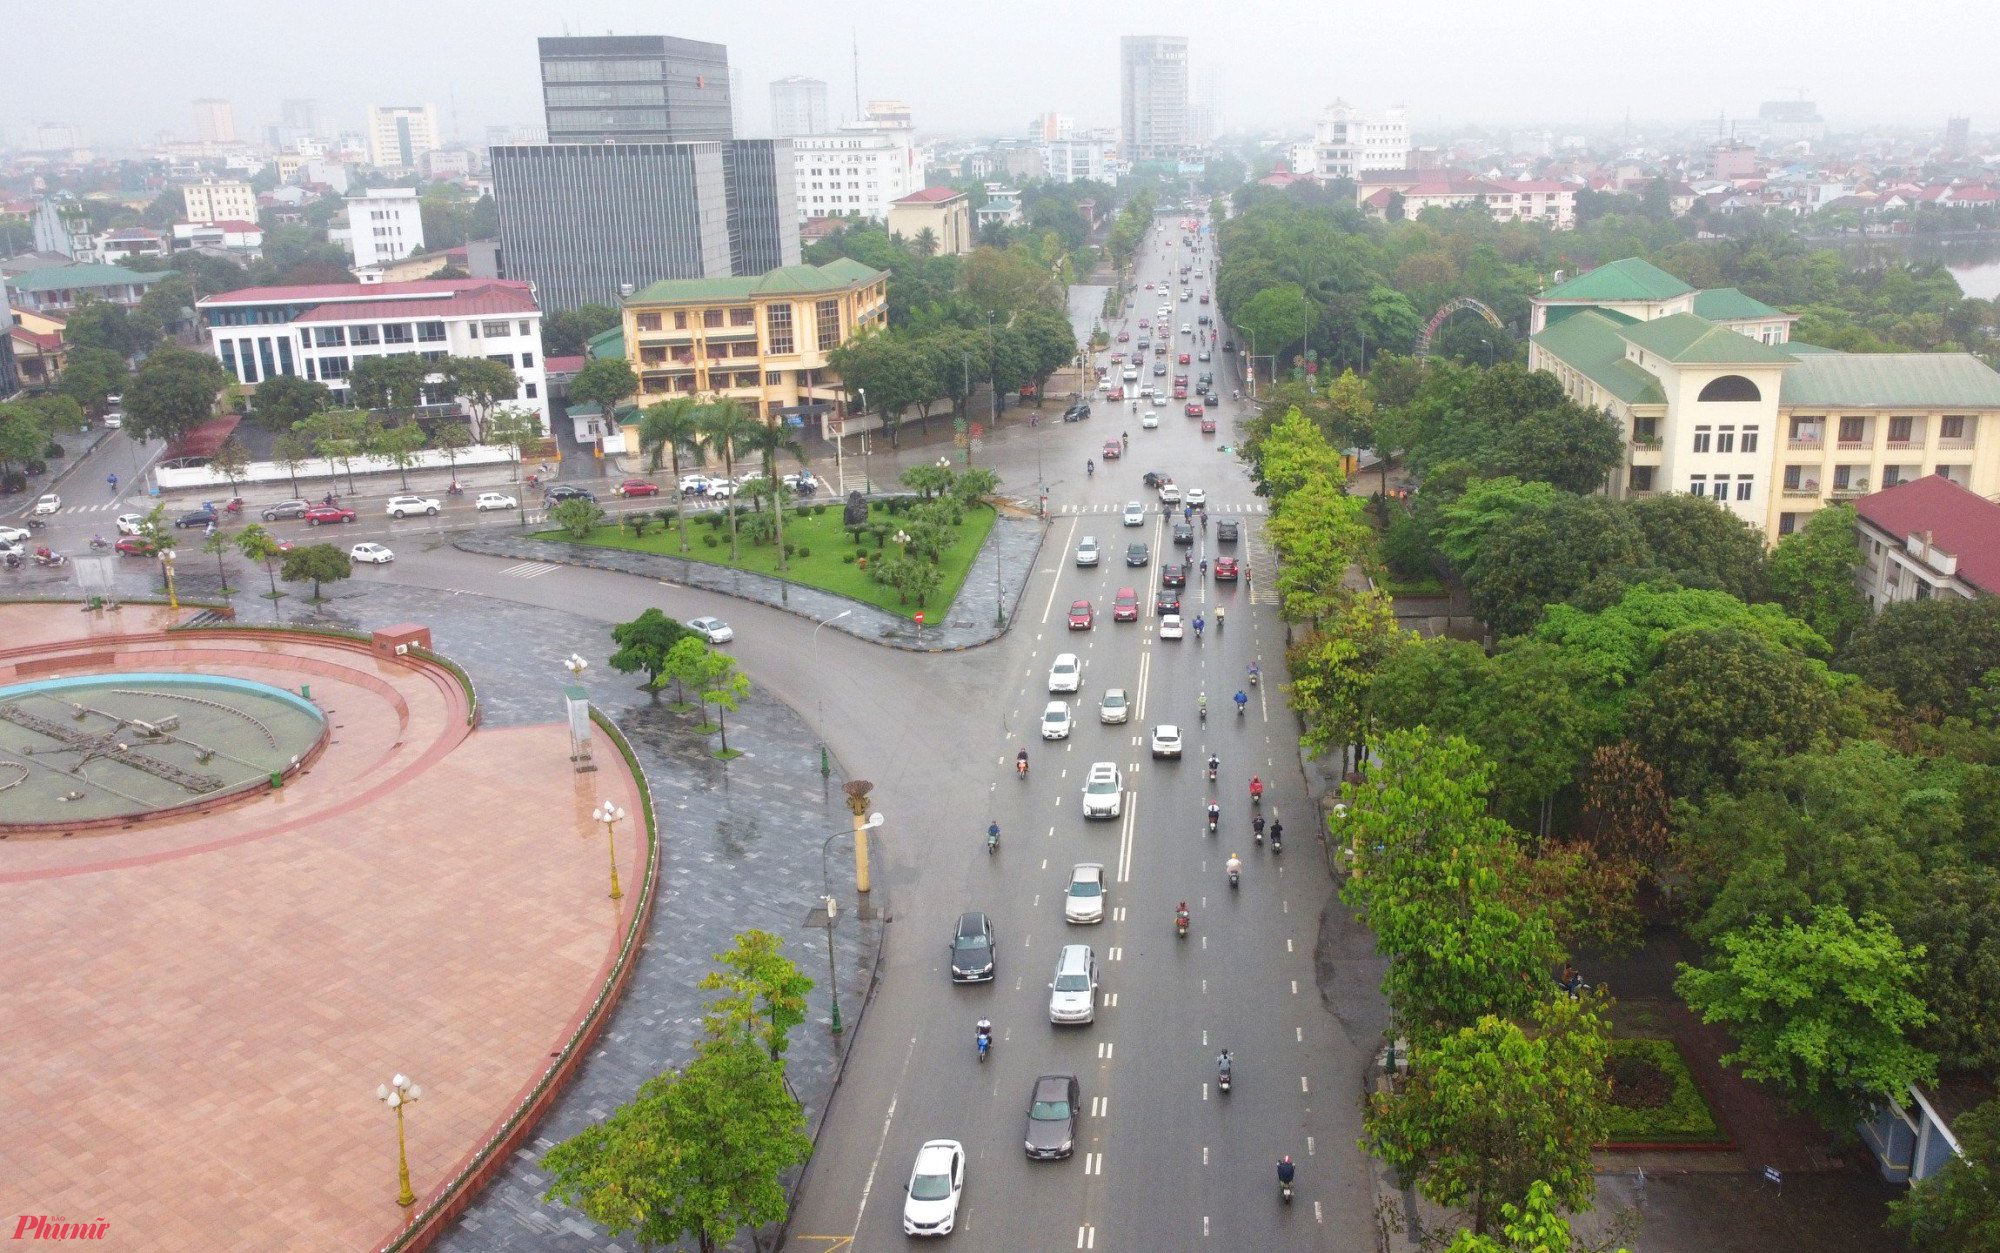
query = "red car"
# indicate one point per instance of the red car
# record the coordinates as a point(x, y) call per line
point(1080, 616)
point(1125, 607)
point(1112, 451)
point(1180, 393)
point(638, 487)
point(1115, 394)
point(1144, 323)
point(134, 546)
point(1208, 426)
point(1194, 410)
point(327, 513)
point(1185, 358)
point(1124, 337)
point(1225, 568)
point(1204, 298)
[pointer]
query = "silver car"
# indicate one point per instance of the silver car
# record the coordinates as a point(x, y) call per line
point(1086, 551)
point(1115, 707)
point(1073, 994)
point(1083, 902)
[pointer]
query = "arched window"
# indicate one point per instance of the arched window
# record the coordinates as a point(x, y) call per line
point(1731, 387)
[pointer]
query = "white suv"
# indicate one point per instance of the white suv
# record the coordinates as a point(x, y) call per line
point(1073, 994)
point(403, 506)
point(1103, 791)
point(1066, 675)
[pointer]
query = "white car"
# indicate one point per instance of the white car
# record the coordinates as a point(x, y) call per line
point(1115, 707)
point(1086, 551)
point(1197, 497)
point(694, 482)
point(1170, 494)
point(404, 506)
point(1150, 420)
point(1186, 329)
point(1055, 721)
point(1170, 627)
point(1166, 740)
point(1131, 374)
point(714, 630)
point(936, 1182)
point(374, 554)
point(48, 504)
point(19, 535)
point(1103, 791)
point(1073, 992)
point(1135, 514)
point(1104, 384)
point(1084, 901)
point(493, 500)
point(114, 420)
point(720, 489)
point(1066, 675)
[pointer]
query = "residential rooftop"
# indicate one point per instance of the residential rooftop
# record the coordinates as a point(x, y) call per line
point(793, 280)
point(1959, 521)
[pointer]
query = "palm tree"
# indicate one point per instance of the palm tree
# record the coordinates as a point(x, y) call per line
point(726, 426)
point(926, 243)
point(767, 440)
point(673, 427)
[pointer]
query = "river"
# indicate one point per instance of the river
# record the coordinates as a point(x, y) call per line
point(1975, 263)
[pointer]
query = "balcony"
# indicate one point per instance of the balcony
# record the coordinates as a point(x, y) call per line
point(1806, 491)
point(1805, 443)
point(1853, 488)
point(1904, 444)
point(1646, 443)
point(1852, 443)
point(1954, 445)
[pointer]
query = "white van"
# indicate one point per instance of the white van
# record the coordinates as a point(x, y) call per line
point(1073, 994)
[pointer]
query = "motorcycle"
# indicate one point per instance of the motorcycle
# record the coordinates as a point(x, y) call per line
point(1021, 765)
point(51, 560)
point(1285, 1191)
point(1255, 674)
point(1277, 838)
point(1212, 764)
point(993, 839)
point(985, 1041)
point(1214, 816)
point(1222, 1071)
point(454, 490)
point(1257, 828)
point(1204, 711)
point(98, 543)
point(1181, 923)
point(533, 480)
point(235, 505)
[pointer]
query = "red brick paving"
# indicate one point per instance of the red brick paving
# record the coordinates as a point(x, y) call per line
point(196, 1015)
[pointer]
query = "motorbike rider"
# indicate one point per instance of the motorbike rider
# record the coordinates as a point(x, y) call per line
point(1234, 866)
point(1277, 833)
point(1218, 617)
point(1256, 788)
point(1181, 916)
point(1204, 706)
point(1090, 467)
point(1224, 1063)
point(982, 1035)
point(1286, 1170)
point(1214, 815)
point(1021, 761)
point(1257, 827)
point(1214, 764)
point(1241, 701)
point(1253, 671)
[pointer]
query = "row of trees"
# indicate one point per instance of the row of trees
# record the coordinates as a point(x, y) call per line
point(895, 371)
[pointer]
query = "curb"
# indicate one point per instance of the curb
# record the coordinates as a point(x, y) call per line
point(75, 463)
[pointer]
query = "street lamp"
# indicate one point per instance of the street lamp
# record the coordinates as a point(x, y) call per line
point(610, 814)
point(397, 1093)
point(824, 768)
point(167, 565)
point(867, 462)
point(833, 912)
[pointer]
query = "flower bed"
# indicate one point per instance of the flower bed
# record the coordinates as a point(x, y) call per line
point(1655, 1099)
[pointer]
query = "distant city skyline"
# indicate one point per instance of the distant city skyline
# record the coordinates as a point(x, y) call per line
point(1571, 67)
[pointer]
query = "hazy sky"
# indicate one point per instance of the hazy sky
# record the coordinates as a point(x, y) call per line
point(127, 68)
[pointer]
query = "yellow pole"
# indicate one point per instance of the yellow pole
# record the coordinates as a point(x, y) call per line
point(857, 802)
point(611, 841)
point(405, 1198)
point(173, 599)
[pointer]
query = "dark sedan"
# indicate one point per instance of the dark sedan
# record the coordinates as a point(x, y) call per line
point(1052, 1117)
point(285, 509)
point(196, 517)
point(1183, 533)
point(972, 949)
point(1153, 478)
point(1173, 576)
point(1168, 601)
point(1137, 554)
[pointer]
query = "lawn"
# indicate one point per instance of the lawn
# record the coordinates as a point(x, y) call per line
point(1655, 1099)
point(822, 552)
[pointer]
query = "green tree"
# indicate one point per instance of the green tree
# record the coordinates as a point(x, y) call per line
point(577, 516)
point(1276, 321)
point(565, 332)
point(480, 383)
point(698, 1153)
point(258, 544)
point(219, 544)
point(927, 479)
point(1959, 1207)
point(645, 644)
point(1931, 653)
point(1332, 669)
point(1812, 574)
point(766, 992)
point(316, 564)
point(401, 445)
point(1956, 920)
point(767, 441)
point(604, 382)
point(394, 383)
point(1491, 1111)
point(722, 685)
point(1464, 521)
point(1824, 1010)
point(519, 431)
point(282, 401)
point(172, 393)
point(96, 323)
point(686, 663)
point(673, 429)
point(1535, 1226)
point(231, 459)
point(726, 428)
point(23, 435)
point(1541, 556)
point(1687, 532)
point(292, 450)
point(451, 439)
point(1716, 688)
point(1051, 342)
point(338, 436)
point(91, 376)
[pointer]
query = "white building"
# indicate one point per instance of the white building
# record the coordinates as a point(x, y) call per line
point(214, 121)
point(1347, 141)
point(400, 134)
point(798, 107)
point(861, 168)
point(1074, 160)
point(219, 201)
point(1153, 119)
point(320, 331)
point(244, 239)
point(384, 224)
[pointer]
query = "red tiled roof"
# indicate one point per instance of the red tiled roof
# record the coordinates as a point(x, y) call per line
point(930, 195)
point(563, 365)
point(490, 297)
point(1961, 522)
point(46, 343)
point(378, 292)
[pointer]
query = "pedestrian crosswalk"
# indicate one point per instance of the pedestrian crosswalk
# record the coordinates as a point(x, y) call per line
point(101, 507)
point(530, 569)
point(1214, 507)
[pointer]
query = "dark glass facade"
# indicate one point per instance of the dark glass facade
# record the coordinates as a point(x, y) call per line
point(763, 222)
point(635, 89)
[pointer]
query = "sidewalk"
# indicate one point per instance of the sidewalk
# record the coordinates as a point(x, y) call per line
point(1013, 545)
point(77, 447)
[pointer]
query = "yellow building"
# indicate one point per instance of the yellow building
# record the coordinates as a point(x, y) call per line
point(943, 211)
point(761, 339)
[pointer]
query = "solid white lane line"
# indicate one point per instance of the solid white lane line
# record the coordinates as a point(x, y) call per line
point(869, 1185)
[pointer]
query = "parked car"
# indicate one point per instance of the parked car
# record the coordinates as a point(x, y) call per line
point(714, 630)
point(638, 487)
point(404, 506)
point(372, 554)
point(284, 509)
point(328, 513)
point(494, 500)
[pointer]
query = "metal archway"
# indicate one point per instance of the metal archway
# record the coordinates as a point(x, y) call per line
point(1445, 311)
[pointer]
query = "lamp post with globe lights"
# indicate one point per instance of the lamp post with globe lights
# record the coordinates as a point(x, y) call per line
point(396, 1094)
point(610, 815)
point(831, 908)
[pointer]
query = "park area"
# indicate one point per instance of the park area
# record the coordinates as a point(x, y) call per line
point(910, 555)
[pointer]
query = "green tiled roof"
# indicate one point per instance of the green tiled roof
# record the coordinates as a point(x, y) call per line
point(792, 280)
point(1630, 279)
point(609, 343)
point(1798, 349)
point(1559, 312)
point(1589, 342)
point(1726, 304)
point(68, 277)
point(1919, 380)
point(1685, 339)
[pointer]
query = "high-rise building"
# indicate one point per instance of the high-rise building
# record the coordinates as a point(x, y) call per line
point(1790, 121)
point(590, 223)
point(1957, 136)
point(1153, 97)
point(54, 136)
point(399, 134)
point(10, 379)
point(1348, 141)
point(635, 89)
point(214, 121)
point(384, 224)
point(798, 107)
point(300, 115)
point(763, 220)
point(860, 168)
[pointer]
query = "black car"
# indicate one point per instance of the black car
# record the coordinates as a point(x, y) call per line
point(1172, 575)
point(565, 491)
point(1076, 412)
point(1183, 533)
point(1229, 345)
point(1052, 1117)
point(196, 517)
point(285, 509)
point(1159, 367)
point(972, 949)
point(1225, 531)
point(1137, 554)
point(1153, 478)
point(1168, 601)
